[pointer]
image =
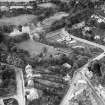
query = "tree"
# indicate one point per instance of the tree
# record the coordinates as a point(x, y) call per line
point(95, 67)
point(15, 60)
point(34, 4)
point(102, 25)
point(1, 37)
point(103, 80)
point(44, 50)
point(0, 14)
point(57, 2)
point(82, 61)
point(92, 22)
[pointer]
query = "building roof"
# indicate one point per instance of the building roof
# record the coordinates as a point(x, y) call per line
point(28, 67)
point(17, 7)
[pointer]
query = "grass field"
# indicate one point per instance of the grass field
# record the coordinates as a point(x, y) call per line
point(18, 20)
point(34, 48)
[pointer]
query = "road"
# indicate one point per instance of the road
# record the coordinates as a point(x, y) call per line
point(80, 72)
point(20, 93)
point(99, 100)
point(84, 40)
point(20, 88)
point(76, 77)
point(52, 34)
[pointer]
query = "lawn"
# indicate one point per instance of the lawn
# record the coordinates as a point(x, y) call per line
point(33, 47)
point(18, 20)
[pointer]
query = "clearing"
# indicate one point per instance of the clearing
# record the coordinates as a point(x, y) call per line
point(34, 48)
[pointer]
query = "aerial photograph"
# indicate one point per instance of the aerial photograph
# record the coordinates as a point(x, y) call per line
point(52, 52)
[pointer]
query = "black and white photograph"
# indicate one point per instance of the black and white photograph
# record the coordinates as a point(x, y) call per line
point(52, 52)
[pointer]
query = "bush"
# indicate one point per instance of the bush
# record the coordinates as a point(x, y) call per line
point(20, 38)
point(1, 37)
point(102, 25)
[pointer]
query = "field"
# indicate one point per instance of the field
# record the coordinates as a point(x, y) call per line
point(18, 20)
point(33, 47)
point(47, 22)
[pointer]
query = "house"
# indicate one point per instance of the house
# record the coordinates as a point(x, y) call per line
point(29, 75)
point(97, 37)
point(67, 78)
point(89, 74)
point(28, 69)
point(16, 7)
point(79, 25)
point(66, 65)
point(101, 90)
point(15, 32)
point(4, 8)
point(18, 31)
point(29, 7)
point(20, 7)
point(98, 18)
point(67, 1)
point(73, 41)
point(32, 94)
point(42, 1)
point(26, 29)
point(87, 28)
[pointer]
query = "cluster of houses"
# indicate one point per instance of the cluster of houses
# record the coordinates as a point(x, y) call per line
point(100, 90)
point(66, 37)
point(32, 30)
point(6, 5)
point(98, 18)
point(18, 31)
point(31, 92)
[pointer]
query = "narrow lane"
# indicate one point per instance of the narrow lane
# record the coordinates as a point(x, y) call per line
point(20, 87)
point(99, 100)
point(20, 93)
point(84, 40)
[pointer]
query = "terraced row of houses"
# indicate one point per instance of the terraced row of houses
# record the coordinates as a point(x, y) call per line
point(18, 4)
point(21, 2)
